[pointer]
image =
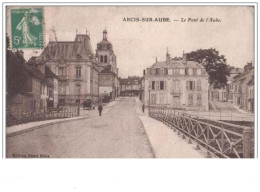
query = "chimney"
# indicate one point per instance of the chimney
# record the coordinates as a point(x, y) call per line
point(144, 72)
point(184, 58)
point(168, 57)
point(248, 66)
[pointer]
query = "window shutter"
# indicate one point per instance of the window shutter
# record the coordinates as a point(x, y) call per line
point(187, 85)
point(165, 85)
point(193, 87)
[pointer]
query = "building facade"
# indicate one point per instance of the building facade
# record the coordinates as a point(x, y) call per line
point(74, 63)
point(108, 71)
point(243, 89)
point(130, 86)
point(176, 83)
point(34, 95)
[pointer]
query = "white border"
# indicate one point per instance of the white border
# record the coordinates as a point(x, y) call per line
point(127, 174)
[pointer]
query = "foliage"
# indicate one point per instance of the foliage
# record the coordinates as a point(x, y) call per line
point(214, 64)
point(14, 71)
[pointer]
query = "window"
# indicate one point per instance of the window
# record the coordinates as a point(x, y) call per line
point(62, 89)
point(186, 71)
point(190, 99)
point(105, 59)
point(78, 71)
point(190, 85)
point(101, 58)
point(41, 103)
point(62, 71)
point(157, 70)
point(176, 71)
point(162, 85)
point(199, 103)
point(199, 86)
point(42, 89)
point(33, 104)
point(165, 71)
point(153, 85)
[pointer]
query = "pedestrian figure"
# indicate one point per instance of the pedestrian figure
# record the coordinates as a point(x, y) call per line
point(100, 108)
point(143, 108)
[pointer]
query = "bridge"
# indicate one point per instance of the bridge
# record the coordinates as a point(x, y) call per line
point(220, 139)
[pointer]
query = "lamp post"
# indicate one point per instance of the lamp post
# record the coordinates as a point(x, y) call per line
point(149, 90)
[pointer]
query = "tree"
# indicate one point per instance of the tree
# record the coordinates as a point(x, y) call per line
point(214, 64)
point(15, 77)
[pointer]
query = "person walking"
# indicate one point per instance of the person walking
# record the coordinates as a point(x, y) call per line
point(143, 107)
point(100, 108)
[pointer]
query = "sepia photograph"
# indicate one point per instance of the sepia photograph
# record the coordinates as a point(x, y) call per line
point(130, 81)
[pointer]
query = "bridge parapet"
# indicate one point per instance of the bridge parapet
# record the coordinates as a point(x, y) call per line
point(220, 139)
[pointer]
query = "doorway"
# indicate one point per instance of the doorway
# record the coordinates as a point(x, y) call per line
point(176, 102)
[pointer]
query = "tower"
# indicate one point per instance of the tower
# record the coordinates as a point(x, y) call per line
point(105, 55)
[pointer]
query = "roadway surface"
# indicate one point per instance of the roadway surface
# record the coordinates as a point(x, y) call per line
point(116, 134)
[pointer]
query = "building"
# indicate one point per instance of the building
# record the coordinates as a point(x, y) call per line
point(34, 95)
point(53, 90)
point(243, 89)
point(108, 71)
point(107, 84)
point(74, 63)
point(234, 72)
point(130, 86)
point(250, 94)
point(176, 83)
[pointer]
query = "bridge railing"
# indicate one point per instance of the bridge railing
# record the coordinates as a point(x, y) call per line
point(220, 139)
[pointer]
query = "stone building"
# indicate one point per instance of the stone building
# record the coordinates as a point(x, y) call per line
point(35, 92)
point(108, 71)
point(74, 63)
point(176, 83)
point(243, 89)
point(130, 86)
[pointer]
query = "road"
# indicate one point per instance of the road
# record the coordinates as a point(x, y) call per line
point(116, 134)
point(224, 106)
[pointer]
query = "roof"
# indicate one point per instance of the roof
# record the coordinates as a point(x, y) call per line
point(107, 71)
point(104, 42)
point(251, 82)
point(130, 81)
point(245, 77)
point(68, 50)
point(176, 64)
point(49, 73)
point(237, 70)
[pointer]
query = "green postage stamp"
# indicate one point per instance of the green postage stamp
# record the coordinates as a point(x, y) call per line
point(27, 28)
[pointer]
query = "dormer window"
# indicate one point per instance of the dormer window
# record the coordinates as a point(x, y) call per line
point(78, 56)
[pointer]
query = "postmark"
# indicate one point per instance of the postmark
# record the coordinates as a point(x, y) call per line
point(27, 28)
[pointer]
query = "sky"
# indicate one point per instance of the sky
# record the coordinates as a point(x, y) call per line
point(137, 44)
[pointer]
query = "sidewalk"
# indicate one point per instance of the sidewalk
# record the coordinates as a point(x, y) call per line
point(241, 110)
point(164, 142)
point(25, 127)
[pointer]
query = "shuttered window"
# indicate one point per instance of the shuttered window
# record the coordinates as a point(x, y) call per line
point(190, 85)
